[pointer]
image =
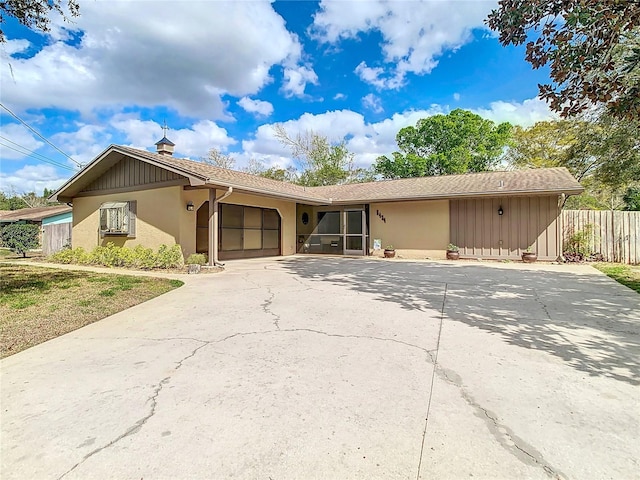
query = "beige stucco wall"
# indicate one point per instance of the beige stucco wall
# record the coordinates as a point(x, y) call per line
point(162, 218)
point(157, 212)
point(416, 229)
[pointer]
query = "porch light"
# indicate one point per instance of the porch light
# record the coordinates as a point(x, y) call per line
point(500, 210)
point(190, 207)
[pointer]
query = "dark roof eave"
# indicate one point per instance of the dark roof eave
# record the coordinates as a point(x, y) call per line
point(270, 193)
point(447, 196)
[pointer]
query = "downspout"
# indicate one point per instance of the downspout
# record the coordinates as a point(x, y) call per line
point(560, 230)
point(215, 261)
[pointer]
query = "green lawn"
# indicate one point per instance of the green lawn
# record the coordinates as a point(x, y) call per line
point(628, 275)
point(38, 304)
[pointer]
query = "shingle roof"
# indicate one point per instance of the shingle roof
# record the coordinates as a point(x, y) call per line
point(517, 182)
point(226, 177)
point(541, 180)
point(33, 214)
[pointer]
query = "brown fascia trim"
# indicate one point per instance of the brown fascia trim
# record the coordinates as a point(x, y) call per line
point(453, 196)
point(237, 188)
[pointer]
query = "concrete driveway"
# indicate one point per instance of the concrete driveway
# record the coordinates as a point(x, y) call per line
point(338, 368)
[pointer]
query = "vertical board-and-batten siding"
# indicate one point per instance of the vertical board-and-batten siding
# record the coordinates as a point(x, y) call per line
point(129, 172)
point(480, 232)
point(615, 234)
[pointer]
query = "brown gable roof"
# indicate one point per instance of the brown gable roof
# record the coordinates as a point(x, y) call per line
point(231, 178)
point(33, 214)
point(518, 182)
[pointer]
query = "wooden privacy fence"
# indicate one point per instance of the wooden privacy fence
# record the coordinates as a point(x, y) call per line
point(55, 236)
point(614, 234)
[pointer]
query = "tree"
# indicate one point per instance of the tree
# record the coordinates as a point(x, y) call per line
point(13, 202)
point(218, 159)
point(33, 201)
point(459, 142)
point(21, 237)
point(631, 199)
point(256, 167)
point(321, 162)
point(592, 49)
point(602, 153)
point(34, 14)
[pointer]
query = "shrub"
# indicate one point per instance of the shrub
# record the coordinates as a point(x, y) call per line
point(579, 243)
point(70, 255)
point(169, 257)
point(143, 257)
point(20, 237)
point(197, 259)
point(111, 255)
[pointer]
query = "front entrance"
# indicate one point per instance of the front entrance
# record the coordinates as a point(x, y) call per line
point(342, 231)
point(244, 232)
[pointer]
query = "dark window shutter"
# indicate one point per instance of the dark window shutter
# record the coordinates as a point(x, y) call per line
point(133, 213)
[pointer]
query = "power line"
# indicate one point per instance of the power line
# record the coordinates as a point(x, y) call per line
point(32, 154)
point(38, 134)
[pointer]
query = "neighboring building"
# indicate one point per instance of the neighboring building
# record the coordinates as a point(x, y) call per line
point(55, 221)
point(36, 215)
point(130, 197)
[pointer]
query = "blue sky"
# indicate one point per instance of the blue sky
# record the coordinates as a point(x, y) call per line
point(221, 74)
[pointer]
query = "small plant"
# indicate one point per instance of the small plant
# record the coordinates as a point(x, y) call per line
point(389, 247)
point(20, 238)
point(529, 249)
point(579, 243)
point(452, 248)
point(197, 259)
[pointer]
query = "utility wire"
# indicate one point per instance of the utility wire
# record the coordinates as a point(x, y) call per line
point(38, 134)
point(26, 151)
point(35, 155)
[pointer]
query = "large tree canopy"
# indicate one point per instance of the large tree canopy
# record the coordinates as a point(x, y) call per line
point(459, 142)
point(321, 163)
point(35, 13)
point(603, 154)
point(591, 46)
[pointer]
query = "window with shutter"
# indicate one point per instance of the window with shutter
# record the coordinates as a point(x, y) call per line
point(118, 218)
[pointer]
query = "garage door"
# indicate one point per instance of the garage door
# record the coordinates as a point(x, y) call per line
point(247, 232)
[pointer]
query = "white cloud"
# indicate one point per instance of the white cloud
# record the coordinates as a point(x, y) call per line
point(377, 77)
point(258, 107)
point(12, 47)
point(31, 178)
point(296, 79)
point(192, 142)
point(339, 96)
point(366, 140)
point(17, 137)
point(456, 96)
point(373, 103)
point(414, 33)
point(137, 53)
point(524, 113)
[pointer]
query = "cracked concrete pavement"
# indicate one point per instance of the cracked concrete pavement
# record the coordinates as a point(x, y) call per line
point(340, 368)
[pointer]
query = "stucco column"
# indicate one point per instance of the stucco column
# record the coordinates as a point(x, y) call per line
point(213, 227)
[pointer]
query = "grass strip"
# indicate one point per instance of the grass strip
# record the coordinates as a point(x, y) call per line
point(38, 304)
point(627, 275)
